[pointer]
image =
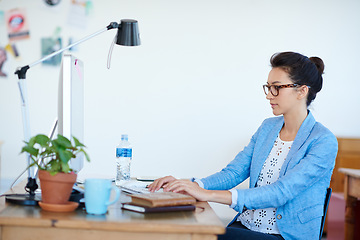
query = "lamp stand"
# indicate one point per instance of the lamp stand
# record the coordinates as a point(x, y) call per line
point(31, 199)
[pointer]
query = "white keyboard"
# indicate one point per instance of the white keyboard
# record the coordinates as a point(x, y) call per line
point(134, 187)
point(134, 190)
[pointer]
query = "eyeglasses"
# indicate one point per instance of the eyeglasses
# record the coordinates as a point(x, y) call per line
point(274, 89)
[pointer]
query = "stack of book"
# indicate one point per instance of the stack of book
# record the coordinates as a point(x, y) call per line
point(160, 202)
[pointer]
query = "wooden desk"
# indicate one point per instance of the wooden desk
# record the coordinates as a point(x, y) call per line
point(351, 193)
point(32, 223)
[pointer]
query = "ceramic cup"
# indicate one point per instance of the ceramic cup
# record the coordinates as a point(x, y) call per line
point(97, 195)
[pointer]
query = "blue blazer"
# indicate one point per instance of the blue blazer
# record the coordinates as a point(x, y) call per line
point(299, 193)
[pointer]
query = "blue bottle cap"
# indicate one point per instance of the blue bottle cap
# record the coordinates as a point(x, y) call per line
point(124, 137)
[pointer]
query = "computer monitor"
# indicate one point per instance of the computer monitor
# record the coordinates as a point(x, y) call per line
point(71, 103)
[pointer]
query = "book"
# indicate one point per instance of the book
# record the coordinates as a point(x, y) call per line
point(161, 199)
point(141, 209)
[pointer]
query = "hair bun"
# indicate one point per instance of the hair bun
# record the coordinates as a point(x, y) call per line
point(318, 63)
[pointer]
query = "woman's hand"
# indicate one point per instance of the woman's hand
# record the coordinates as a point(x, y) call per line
point(187, 187)
point(160, 183)
point(171, 184)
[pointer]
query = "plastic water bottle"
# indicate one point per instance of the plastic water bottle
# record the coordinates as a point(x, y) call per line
point(123, 160)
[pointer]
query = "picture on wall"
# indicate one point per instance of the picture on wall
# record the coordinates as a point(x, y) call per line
point(17, 24)
point(3, 58)
point(48, 46)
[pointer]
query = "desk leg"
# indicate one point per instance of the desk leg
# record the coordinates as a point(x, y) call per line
point(349, 211)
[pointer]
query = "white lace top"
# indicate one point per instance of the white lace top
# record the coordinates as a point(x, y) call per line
point(264, 220)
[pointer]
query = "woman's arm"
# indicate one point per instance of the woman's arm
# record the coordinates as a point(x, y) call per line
point(201, 194)
point(237, 170)
point(171, 184)
point(317, 163)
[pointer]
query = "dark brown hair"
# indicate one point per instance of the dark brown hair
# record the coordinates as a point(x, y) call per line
point(302, 70)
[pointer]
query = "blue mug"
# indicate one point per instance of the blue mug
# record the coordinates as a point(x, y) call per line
point(97, 195)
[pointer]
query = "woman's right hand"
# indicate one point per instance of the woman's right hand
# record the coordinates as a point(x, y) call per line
point(160, 183)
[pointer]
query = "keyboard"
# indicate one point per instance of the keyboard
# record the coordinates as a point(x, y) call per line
point(134, 190)
point(135, 187)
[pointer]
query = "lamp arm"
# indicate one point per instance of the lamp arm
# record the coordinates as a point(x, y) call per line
point(21, 71)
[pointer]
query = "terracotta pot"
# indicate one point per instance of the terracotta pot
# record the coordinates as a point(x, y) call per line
point(56, 189)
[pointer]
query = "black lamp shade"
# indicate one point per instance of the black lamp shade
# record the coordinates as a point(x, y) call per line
point(128, 33)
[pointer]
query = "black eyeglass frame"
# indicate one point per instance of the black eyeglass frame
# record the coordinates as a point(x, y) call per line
point(271, 88)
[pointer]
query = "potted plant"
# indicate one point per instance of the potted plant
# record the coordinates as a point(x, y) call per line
point(52, 158)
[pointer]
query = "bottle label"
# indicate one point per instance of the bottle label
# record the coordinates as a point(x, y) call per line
point(124, 152)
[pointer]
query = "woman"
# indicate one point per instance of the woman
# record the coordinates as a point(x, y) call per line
point(289, 160)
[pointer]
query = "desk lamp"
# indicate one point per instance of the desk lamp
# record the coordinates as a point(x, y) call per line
point(127, 35)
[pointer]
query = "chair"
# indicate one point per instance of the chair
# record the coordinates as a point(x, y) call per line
point(326, 205)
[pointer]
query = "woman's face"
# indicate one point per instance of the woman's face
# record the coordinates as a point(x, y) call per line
point(289, 99)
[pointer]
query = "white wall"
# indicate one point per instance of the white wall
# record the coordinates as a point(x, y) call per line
point(190, 96)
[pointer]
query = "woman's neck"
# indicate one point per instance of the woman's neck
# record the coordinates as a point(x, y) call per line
point(292, 124)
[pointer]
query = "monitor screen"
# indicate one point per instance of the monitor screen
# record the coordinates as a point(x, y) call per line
point(71, 103)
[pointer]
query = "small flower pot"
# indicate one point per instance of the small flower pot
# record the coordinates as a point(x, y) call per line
point(56, 189)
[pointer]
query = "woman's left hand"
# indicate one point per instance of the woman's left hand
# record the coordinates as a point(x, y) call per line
point(188, 187)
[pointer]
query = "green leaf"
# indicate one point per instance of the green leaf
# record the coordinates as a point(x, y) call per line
point(86, 155)
point(48, 151)
point(54, 155)
point(78, 143)
point(63, 141)
point(53, 172)
point(31, 142)
point(54, 166)
point(31, 150)
point(42, 139)
point(65, 156)
point(56, 147)
point(65, 167)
